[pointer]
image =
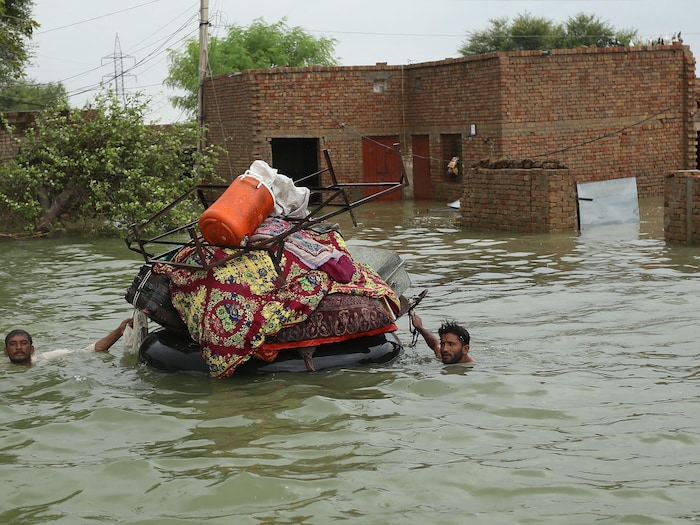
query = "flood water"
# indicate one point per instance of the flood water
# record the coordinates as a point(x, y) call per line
point(582, 408)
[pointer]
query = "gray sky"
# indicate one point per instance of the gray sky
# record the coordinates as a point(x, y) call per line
point(76, 43)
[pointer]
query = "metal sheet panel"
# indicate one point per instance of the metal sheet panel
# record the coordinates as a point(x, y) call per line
point(387, 263)
point(608, 202)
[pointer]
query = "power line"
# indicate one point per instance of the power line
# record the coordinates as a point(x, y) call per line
point(159, 49)
point(95, 18)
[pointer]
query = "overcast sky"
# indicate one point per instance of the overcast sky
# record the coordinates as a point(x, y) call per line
point(76, 43)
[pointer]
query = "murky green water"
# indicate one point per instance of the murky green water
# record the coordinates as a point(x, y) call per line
point(583, 407)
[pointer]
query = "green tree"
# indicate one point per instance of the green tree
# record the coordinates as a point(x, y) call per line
point(259, 45)
point(589, 30)
point(528, 32)
point(99, 168)
point(16, 30)
point(33, 97)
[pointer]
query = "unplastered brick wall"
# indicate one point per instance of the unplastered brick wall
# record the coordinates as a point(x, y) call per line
point(682, 207)
point(604, 113)
point(8, 146)
point(448, 98)
point(19, 121)
point(230, 124)
point(524, 200)
point(337, 105)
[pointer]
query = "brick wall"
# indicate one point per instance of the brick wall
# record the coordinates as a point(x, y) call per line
point(20, 121)
point(337, 105)
point(230, 122)
point(682, 207)
point(523, 200)
point(604, 113)
point(609, 113)
point(446, 97)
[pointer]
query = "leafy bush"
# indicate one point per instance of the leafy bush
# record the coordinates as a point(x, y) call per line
point(99, 168)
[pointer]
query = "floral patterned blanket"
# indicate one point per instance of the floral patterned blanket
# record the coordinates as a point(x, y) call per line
point(231, 309)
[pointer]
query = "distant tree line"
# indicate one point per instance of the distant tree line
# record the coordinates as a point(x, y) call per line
point(527, 32)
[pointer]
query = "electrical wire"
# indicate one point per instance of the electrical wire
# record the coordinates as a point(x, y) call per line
point(159, 51)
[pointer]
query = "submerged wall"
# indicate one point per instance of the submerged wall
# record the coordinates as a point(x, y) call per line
point(536, 200)
point(682, 207)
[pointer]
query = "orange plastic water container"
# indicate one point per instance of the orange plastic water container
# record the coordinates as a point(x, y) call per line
point(231, 219)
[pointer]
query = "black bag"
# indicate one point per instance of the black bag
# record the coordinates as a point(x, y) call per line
point(150, 293)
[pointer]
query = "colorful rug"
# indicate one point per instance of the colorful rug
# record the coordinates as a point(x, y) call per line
point(232, 309)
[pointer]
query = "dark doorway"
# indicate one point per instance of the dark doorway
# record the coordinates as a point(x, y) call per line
point(380, 163)
point(296, 158)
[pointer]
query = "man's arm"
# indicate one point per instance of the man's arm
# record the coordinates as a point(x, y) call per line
point(430, 339)
point(106, 342)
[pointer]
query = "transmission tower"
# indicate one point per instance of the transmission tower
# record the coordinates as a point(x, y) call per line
point(118, 77)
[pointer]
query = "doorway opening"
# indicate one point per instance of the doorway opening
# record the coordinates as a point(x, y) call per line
point(296, 158)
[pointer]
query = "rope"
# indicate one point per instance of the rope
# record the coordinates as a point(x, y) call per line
point(414, 333)
point(411, 306)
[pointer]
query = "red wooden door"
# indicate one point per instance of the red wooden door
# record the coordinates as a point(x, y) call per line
point(380, 163)
point(422, 189)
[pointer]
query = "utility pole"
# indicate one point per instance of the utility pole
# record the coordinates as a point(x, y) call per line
point(203, 65)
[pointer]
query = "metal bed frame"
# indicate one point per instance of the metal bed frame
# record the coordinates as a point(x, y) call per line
point(334, 200)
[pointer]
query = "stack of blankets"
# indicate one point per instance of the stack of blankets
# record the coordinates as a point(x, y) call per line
point(244, 308)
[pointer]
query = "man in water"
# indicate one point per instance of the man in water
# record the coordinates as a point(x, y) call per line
point(452, 345)
point(19, 347)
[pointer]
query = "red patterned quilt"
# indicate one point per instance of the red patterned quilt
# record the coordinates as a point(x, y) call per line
point(237, 309)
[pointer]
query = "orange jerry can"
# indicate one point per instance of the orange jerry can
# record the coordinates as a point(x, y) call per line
point(235, 215)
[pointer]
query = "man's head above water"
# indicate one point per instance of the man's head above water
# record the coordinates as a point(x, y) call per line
point(19, 346)
point(454, 343)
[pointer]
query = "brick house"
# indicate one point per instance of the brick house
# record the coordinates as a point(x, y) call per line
point(604, 113)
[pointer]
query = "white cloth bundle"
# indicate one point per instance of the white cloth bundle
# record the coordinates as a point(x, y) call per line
point(291, 201)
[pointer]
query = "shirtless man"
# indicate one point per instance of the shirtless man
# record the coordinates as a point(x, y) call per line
point(19, 347)
point(452, 344)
